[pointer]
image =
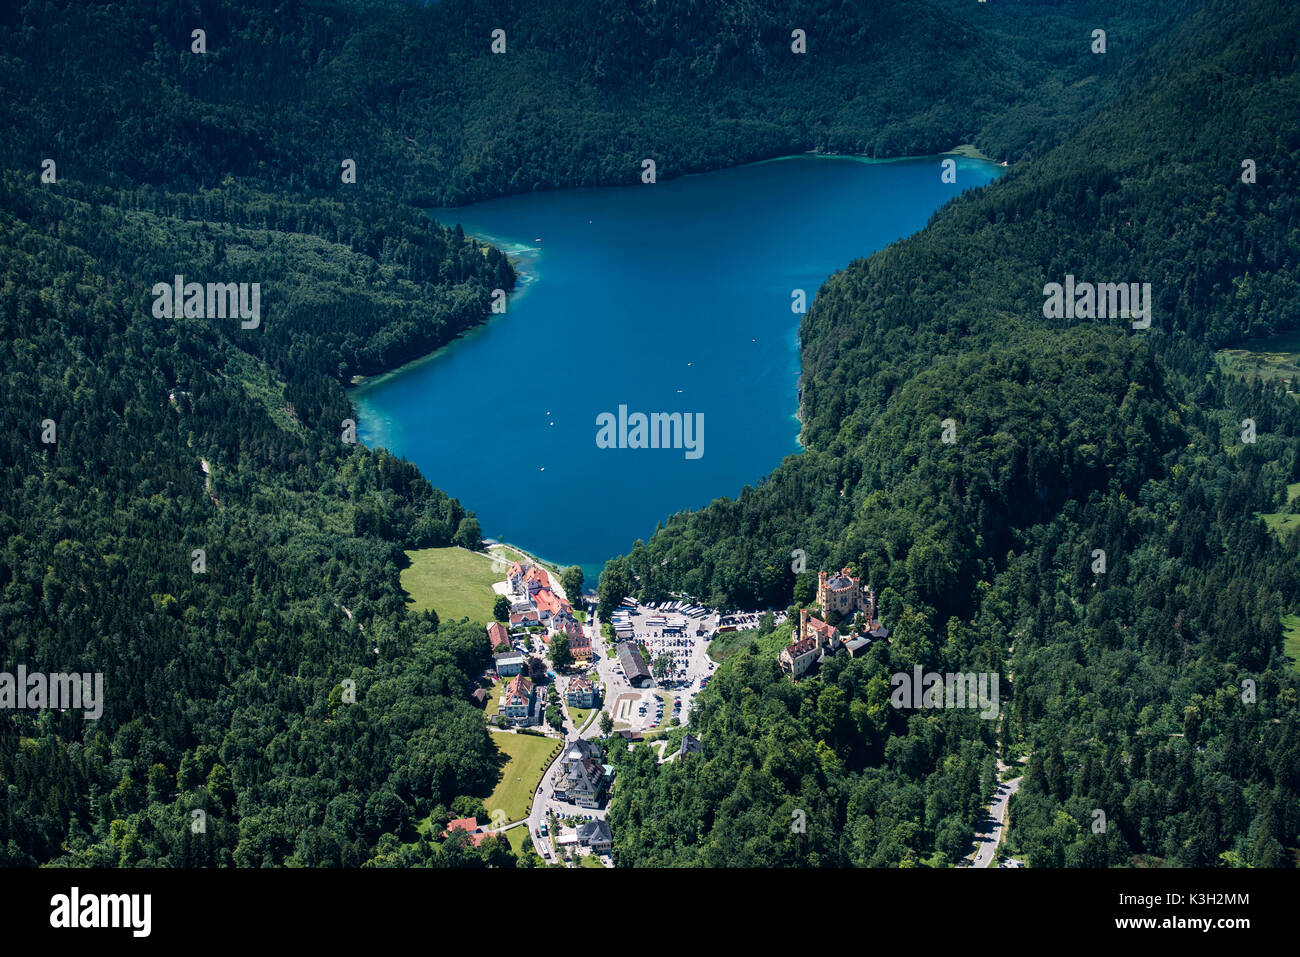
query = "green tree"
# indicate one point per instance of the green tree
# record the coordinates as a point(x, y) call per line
point(536, 669)
point(606, 723)
point(571, 580)
point(468, 534)
point(663, 666)
point(501, 608)
point(561, 656)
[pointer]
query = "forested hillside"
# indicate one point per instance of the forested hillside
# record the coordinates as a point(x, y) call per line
point(584, 91)
point(1124, 687)
point(223, 676)
point(225, 686)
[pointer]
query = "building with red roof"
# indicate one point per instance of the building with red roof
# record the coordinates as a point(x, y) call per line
point(470, 826)
point(498, 637)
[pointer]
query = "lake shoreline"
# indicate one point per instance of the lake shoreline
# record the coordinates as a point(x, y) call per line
point(489, 450)
point(514, 251)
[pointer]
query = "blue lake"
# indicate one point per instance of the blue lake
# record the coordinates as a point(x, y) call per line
point(670, 297)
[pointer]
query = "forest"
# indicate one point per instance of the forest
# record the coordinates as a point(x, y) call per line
point(1154, 690)
point(281, 686)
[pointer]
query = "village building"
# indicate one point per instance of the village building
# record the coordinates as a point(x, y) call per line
point(498, 637)
point(568, 624)
point(470, 826)
point(689, 745)
point(580, 693)
point(520, 703)
point(535, 576)
point(634, 666)
point(580, 647)
point(583, 778)
point(595, 835)
point(549, 605)
point(508, 663)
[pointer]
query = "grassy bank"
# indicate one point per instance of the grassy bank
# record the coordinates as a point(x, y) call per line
point(454, 582)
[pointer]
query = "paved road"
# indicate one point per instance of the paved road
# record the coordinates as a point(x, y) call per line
point(989, 834)
point(544, 797)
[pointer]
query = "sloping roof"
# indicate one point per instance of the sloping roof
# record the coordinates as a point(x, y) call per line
point(634, 665)
point(801, 647)
point(498, 635)
point(468, 825)
point(519, 688)
point(580, 749)
point(548, 601)
point(821, 628)
point(594, 831)
point(586, 775)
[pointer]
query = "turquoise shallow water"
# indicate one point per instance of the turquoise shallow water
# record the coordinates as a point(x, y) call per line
point(671, 297)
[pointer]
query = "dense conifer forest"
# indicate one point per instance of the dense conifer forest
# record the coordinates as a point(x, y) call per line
point(1122, 690)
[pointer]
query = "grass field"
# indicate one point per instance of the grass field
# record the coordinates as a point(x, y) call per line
point(518, 837)
point(494, 698)
point(1291, 638)
point(579, 716)
point(590, 860)
point(525, 758)
point(731, 643)
point(1283, 521)
point(454, 582)
point(1268, 359)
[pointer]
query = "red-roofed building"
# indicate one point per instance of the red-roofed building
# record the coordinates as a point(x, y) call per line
point(498, 638)
point(797, 659)
point(535, 575)
point(548, 604)
point(469, 825)
point(520, 701)
point(826, 636)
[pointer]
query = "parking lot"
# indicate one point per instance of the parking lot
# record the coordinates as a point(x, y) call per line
point(681, 631)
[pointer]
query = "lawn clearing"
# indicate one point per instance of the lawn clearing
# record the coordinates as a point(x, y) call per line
point(1268, 359)
point(454, 582)
point(1278, 522)
point(1291, 639)
point(494, 698)
point(729, 643)
point(526, 757)
point(518, 837)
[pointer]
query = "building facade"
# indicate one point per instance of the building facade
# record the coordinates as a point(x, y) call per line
point(844, 595)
